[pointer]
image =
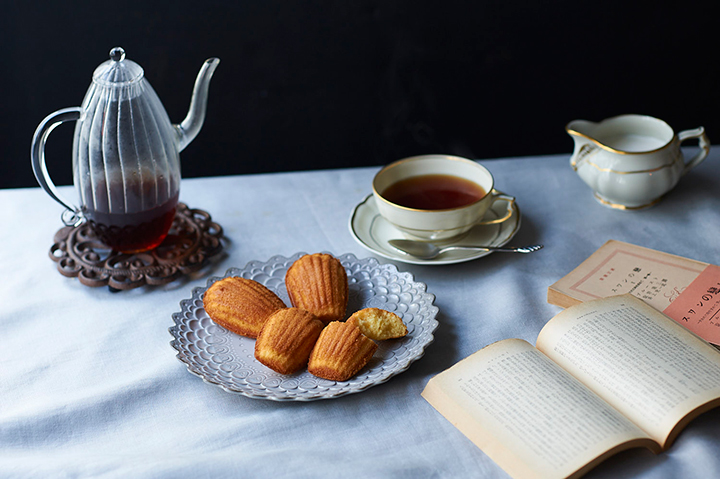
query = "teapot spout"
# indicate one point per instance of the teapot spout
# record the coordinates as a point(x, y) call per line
point(193, 122)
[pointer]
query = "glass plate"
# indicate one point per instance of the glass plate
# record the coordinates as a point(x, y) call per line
point(227, 360)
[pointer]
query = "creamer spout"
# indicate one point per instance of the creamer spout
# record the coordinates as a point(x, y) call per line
point(581, 128)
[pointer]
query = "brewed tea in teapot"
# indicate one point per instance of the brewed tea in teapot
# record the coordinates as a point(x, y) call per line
point(125, 157)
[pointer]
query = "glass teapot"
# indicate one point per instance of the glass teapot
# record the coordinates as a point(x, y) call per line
point(125, 156)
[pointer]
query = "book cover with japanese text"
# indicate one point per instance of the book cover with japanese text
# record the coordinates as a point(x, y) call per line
point(686, 290)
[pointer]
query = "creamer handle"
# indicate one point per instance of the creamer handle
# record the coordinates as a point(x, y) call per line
point(37, 156)
point(703, 143)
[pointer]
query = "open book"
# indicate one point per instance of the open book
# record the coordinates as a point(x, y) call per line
point(606, 375)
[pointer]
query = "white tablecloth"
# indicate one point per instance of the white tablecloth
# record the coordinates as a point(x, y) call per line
point(90, 386)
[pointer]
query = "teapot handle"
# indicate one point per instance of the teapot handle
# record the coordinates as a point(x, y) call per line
point(37, 156)
point(703, 143)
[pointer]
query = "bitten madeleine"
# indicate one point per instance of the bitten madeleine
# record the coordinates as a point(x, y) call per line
point(378, 324)
point(318, 283)
point(241, 305)
point(287, 338)
point(341, 352)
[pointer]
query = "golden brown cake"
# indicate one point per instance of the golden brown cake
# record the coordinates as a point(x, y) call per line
point(287, 338)
point(241, 305)
point(318, 283)
point(341, 352)
point(378, 324)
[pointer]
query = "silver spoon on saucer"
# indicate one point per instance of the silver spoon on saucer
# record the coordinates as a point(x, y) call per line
point(423, 250)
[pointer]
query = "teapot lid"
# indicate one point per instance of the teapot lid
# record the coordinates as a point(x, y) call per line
point(117, 70)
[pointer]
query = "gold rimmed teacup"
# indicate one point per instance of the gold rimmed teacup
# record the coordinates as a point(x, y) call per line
point(444, 223)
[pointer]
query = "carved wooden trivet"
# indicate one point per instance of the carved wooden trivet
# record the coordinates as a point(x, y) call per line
point(193, 239)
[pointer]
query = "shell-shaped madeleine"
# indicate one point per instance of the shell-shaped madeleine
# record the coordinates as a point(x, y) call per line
point(341, 352)
point(287, 338)
point(318, 283)
point(241, 305)
point(378, 324)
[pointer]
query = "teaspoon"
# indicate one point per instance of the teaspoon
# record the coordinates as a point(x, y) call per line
point(423, 250)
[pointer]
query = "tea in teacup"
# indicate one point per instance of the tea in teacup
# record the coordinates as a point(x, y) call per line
point(434, 192)
point(437, 197)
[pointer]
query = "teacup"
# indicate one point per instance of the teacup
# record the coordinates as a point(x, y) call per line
point(437, 197)
point(631, 161)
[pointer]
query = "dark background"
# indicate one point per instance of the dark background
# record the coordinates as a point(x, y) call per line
point(331, 84)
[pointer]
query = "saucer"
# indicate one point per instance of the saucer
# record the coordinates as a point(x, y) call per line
point(373, 232)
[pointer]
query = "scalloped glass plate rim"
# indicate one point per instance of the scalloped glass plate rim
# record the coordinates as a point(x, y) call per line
point(427, 326)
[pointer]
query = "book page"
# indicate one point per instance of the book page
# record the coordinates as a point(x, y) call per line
point(527, 414)
point(640, 361)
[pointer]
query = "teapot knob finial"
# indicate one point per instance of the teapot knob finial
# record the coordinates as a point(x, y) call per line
point(117, 54)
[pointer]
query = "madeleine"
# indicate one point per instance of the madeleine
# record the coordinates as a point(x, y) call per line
point(241, 305)
point(341, 352)
point(318, 283)
point(286, 340)
point(378, 324)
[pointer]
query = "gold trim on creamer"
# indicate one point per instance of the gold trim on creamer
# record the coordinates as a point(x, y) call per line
point(570, 131)
point(429, 157)
point(610, 170)
point(618, 206)
point(585, 152)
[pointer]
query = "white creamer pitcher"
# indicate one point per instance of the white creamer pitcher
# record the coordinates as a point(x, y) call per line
point(630, 161)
